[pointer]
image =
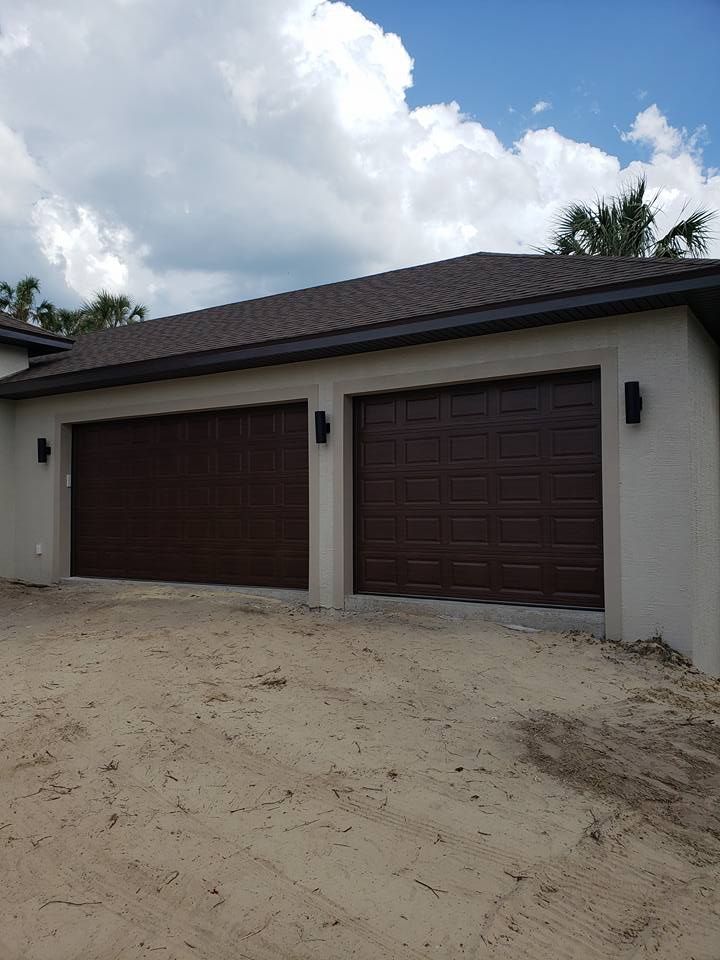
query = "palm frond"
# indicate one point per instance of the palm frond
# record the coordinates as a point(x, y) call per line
point(688, 238)
point(625, 225)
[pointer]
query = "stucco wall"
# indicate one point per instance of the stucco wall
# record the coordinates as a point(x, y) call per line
point(651, 554)
point(7, 488)
point(12, 359)
point(704, 442)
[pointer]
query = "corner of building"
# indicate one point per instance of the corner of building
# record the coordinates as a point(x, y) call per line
point(704, 496)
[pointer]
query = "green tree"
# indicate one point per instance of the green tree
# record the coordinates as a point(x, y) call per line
point(107, 309)
point(21, 302)
point(67, 323)
point(626, 226)
point(100, 312)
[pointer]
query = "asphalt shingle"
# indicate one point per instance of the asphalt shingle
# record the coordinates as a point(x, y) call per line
point(474, 282)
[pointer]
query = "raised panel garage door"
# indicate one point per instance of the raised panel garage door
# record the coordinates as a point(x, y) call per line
point(485, 491)
point(216, 497)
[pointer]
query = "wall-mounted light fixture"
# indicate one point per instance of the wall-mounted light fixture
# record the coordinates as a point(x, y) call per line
point(44, 450)
point(633, 402)
point(322, 427)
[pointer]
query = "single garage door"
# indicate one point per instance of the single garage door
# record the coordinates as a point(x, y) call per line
point(485, 491)
point(218, 497)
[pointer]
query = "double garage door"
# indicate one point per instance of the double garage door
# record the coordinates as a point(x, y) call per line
point(217, 497)
point(487, 491)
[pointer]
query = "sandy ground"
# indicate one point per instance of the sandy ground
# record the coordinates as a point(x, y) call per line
point(190, 773)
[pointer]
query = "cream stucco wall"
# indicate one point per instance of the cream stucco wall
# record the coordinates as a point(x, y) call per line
point(704, 440)
point(12, 359)
point(660, 562)
point(7, 488)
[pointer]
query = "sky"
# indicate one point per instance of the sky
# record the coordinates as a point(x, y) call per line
point(193, 154)
point(578, 59)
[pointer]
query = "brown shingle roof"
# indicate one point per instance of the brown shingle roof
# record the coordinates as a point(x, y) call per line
point(474, 282)
point(10, 323)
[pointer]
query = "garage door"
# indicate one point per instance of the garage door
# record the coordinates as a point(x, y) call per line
point(487, 491)
point(217, 497)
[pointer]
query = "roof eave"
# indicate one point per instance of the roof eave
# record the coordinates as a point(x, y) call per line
point(587, 305)
point(37, 344)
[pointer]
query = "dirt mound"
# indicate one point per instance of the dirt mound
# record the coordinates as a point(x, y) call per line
point(663, 763)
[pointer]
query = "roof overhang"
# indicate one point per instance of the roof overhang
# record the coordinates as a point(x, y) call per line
point(700, 293)
point(36, 344)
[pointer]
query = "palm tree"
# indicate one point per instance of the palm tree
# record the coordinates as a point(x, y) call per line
point(626, 226)
point(67, 323)
point(103, 310)
point(108, 309)
point(19, 302)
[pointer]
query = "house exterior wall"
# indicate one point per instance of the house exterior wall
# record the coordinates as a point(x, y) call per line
point(704, 441)
point(12, 359)
point(660, 560)
point(7, 488)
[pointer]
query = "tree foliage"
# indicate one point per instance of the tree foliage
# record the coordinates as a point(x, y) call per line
point(102, 311)
point(626, 226)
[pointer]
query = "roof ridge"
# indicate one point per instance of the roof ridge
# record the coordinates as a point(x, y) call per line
point(689, 263)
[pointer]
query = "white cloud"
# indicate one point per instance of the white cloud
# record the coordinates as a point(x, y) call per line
point(652, 128)
point(20, 179)
point(267, 147)
point(91, 254)
point(13, 39)
point(541, 106)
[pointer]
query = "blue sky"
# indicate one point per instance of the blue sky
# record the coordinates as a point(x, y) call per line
point(597, 63)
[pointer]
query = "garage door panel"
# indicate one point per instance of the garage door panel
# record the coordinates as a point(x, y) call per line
point(519, 581)
point(422, 450)
point(422, 490)
point(471, 577)
point(295, 460)
point(576, 442)
point(519, 488)
point(262, 423)
point(468, 450)
point(578, 396)
point(379, 453)
point(513, 445)
point(379, 530)
point(378, 492)
point(576, 532)
point(295, 421)
point(423, 573)
point(423, 529)
point(219, 496)
point(520, 532)
point(522, 398)
point(230, 428)
point(574, 584)
point(488, 492)
point(575, 487)
point(295, 494)
point(379, 414)
point(468, 489)
point(466, 530)
point(380, 572)
point(422, 409)
point(467, 403)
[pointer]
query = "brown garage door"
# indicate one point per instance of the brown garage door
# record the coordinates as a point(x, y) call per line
point(487, 491)
point(217, 497)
